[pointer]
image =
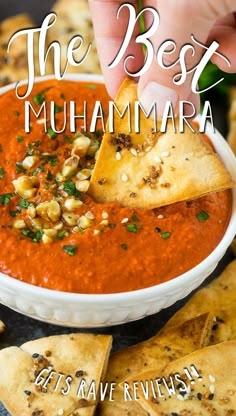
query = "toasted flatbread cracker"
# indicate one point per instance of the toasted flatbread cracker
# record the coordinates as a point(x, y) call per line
point(81, 356)
point(179, 341)
point(14, 65)
point(219, 297)
point(232, 120)
point(74, 18)
point(2, 327)
point(215, 394)
point(149, 170)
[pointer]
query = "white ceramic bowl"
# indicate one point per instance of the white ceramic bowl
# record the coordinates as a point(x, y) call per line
point(79, 310)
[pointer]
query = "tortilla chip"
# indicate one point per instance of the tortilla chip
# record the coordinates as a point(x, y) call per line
point(215, 394)
point(82, 356)
point(2, 327)
point(232, 120)
point(14, 65)
point(164, 347)
point(219, 297)
point(149, 169)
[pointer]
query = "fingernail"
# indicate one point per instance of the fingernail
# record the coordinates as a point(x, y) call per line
point(160, 94)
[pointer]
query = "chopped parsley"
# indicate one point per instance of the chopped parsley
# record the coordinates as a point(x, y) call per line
point(203, 216)
point(166, 235)
point(19, 139)
point(51, 159)
point(61, 235)
point(111, 225)
point(49, 175)
point(134, 218)
point(38, 170)
point(2, 173)
point(34, 237)
point(20, 168)
point(71, 250)
point(37, 143)
point(63, 96)
point(24, 204)
point(39, 98)
point(58, 109)
point(91, 86)
point(5, 198)
point(124, 246)
point(133, 228)
point(51, 133)
point(16, 113)
point(70, 188)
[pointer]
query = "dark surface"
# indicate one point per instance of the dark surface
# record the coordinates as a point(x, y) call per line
point(21, 328)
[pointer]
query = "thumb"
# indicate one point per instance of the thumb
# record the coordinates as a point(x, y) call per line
point(178, 21)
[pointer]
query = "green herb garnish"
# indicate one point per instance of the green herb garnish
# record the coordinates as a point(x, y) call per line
point(2, 173)
point(19, 139)
point(63, 96)
point(91, 86)
point(24, 204)
point(61, 235)
point(34, 237)
point(38, 170)
point(202, 216)
point(20, 168)
point(70, 188)
point(58, 109)
point(166, 235)
point(134, 218)
point(39, 98)
point(5, 198)
point(49, 176)
point(51, 133)
point(133, 228)
point(71, 250)
point(124, 246)
point(16, 113)
point(51, 159)
point(37, 143)
point(111, 225)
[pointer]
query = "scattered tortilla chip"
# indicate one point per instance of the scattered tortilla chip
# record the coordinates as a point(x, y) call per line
point(212, 394)
point(14, 65)
point(162, 348)
point(232, 120)
point(81, 356)
point(219, 297)
point(149, 170)
point(233, 246)
point(2, 327)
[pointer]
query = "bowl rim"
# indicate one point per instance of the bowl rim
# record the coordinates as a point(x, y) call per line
point(228, 158)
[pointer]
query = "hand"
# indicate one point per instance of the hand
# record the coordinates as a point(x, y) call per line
point(207, 20)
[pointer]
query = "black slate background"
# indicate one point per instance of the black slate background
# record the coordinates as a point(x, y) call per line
point(21, 328)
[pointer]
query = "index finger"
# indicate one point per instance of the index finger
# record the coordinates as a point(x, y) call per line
point(109, 34)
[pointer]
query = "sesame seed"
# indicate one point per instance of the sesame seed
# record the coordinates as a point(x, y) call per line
point(134, 152)
point(157, 159)
point(96, 232)
point(212, 388)
point(160, 216)
point(60, 412)
point(118, 155)
point(141, 154)
point(165, 154)
point(212, 378)
point(124, 220)
point(179, 397)
point(124, 177)
point(105, 215)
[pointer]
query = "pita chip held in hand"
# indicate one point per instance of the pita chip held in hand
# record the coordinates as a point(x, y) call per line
point(149, 169)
